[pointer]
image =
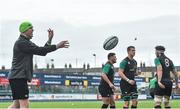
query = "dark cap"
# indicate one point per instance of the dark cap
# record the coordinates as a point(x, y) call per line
point(159, 47)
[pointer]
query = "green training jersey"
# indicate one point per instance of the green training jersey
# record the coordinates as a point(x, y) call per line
point(108, 69)
point(129, 67)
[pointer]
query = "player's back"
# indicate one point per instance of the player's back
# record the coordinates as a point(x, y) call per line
point(167, 67)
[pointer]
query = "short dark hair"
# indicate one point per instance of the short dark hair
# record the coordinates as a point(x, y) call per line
point(159, 47)
point(110, 55)
point(129, 48)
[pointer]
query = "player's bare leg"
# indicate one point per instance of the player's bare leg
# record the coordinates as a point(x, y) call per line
point(134, 100)
point(157, 100)
point(24, 104)
point(134, 104)
point(126, 105)
point(126, 101)
point(166, 102)
point(14, 105)
point(106, 102)
point(112, 103)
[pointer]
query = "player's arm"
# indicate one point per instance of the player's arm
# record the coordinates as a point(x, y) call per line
point(175, 75)
point(31, 48)
point(159, 72)
point(104, 76)
point(105, 71)
point(159, 75)
point(121, 73)
point(50, 36)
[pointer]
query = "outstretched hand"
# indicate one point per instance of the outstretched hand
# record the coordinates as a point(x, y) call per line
point(63, 44)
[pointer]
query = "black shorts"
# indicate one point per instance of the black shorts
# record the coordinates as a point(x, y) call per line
point(128, 91)
point(19, 89)
point(164, 92)
point(105, 91)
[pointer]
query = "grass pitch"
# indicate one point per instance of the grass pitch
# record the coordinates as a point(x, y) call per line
point(88, 104)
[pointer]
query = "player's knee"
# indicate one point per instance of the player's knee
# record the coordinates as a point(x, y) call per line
point(126, 104)
point(134, 102)
point(112, 103)
point(166, 98)
point(16, 104)
point(107, 101)
point(158, 99)
point(24, 103)
point(166, 104)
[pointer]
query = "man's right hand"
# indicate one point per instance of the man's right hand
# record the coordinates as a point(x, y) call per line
point(112, 87)
point(50, 34)
point(132, 82)
point(62, 44)
point(161, 85)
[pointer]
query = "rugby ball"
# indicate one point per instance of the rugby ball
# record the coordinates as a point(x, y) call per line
point(110, 42)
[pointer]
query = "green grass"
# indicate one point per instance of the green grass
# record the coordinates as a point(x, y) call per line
point(87, 104)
